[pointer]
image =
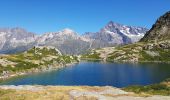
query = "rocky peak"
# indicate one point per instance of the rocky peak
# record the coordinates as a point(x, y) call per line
point(17, 33)
point(160, 30)
point(67, 40)
point(116, 28)
point(111, 26)
point(20, 33)
point(18, 30)
point(164, 20)
point(68, 31)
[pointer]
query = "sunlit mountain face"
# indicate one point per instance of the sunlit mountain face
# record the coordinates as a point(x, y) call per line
point(68, 41)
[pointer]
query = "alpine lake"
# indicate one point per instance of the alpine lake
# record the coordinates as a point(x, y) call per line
point(97, 74)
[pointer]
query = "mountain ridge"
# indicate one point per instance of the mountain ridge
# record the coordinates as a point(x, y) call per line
point(160, 30)
point(68, 41)
point(153, 47)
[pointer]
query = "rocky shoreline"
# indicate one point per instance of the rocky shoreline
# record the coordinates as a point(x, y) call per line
point(112, 61)
point(35, 70)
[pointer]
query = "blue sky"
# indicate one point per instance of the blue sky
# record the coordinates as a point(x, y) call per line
point(80, 15)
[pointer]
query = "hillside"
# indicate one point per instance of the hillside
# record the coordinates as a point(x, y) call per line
point(34, 60)
point(160, 30)
point(153, 47)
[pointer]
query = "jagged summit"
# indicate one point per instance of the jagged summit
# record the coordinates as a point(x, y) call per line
point(67, 31)
point(160, 30)
point(68, 41)
point(148, 50)
point(112, 24)
point(121, 34)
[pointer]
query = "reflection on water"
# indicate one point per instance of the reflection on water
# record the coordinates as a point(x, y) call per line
point(98, 74)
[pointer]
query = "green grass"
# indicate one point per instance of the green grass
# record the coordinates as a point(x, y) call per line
point(3, 92)
point(146, 57)
point(154, 89)
point(91, 55)
point(43, 51)
point(26, 61)
point(164, 55)
point(24, 66)
point(37, 53)
point(94, 56)
point(19, 67)
point(67, 59)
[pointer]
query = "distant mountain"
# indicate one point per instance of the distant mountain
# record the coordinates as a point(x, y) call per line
point(160, 30)
point(153, 47)
point(16, 40)
point(68, 41)
point(116, 34)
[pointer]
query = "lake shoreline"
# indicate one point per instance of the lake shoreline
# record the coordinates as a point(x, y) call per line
point(161, 88)
point(35, 70)
point(91, 72)
point(101, 60)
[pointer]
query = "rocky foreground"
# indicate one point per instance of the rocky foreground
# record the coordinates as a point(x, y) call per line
point(28, 92)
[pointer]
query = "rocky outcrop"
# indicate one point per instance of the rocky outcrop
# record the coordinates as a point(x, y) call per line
point(160, 30)
point(37, 59)
point(158, 45)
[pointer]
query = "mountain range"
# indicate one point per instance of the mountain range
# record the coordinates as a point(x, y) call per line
point(153, 47)
point(13, 40)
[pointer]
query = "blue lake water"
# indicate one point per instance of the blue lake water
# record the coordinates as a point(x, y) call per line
point(98, 74)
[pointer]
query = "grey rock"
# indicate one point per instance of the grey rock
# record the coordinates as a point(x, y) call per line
point(160, 30)
point(13, 40)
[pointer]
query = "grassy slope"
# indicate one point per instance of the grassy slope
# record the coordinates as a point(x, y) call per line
point(162, 88)
point(93, 55)
point(134, 53)
point(35, 58)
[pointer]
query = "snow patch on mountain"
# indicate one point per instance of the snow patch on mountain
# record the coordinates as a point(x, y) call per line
point(69, 41)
